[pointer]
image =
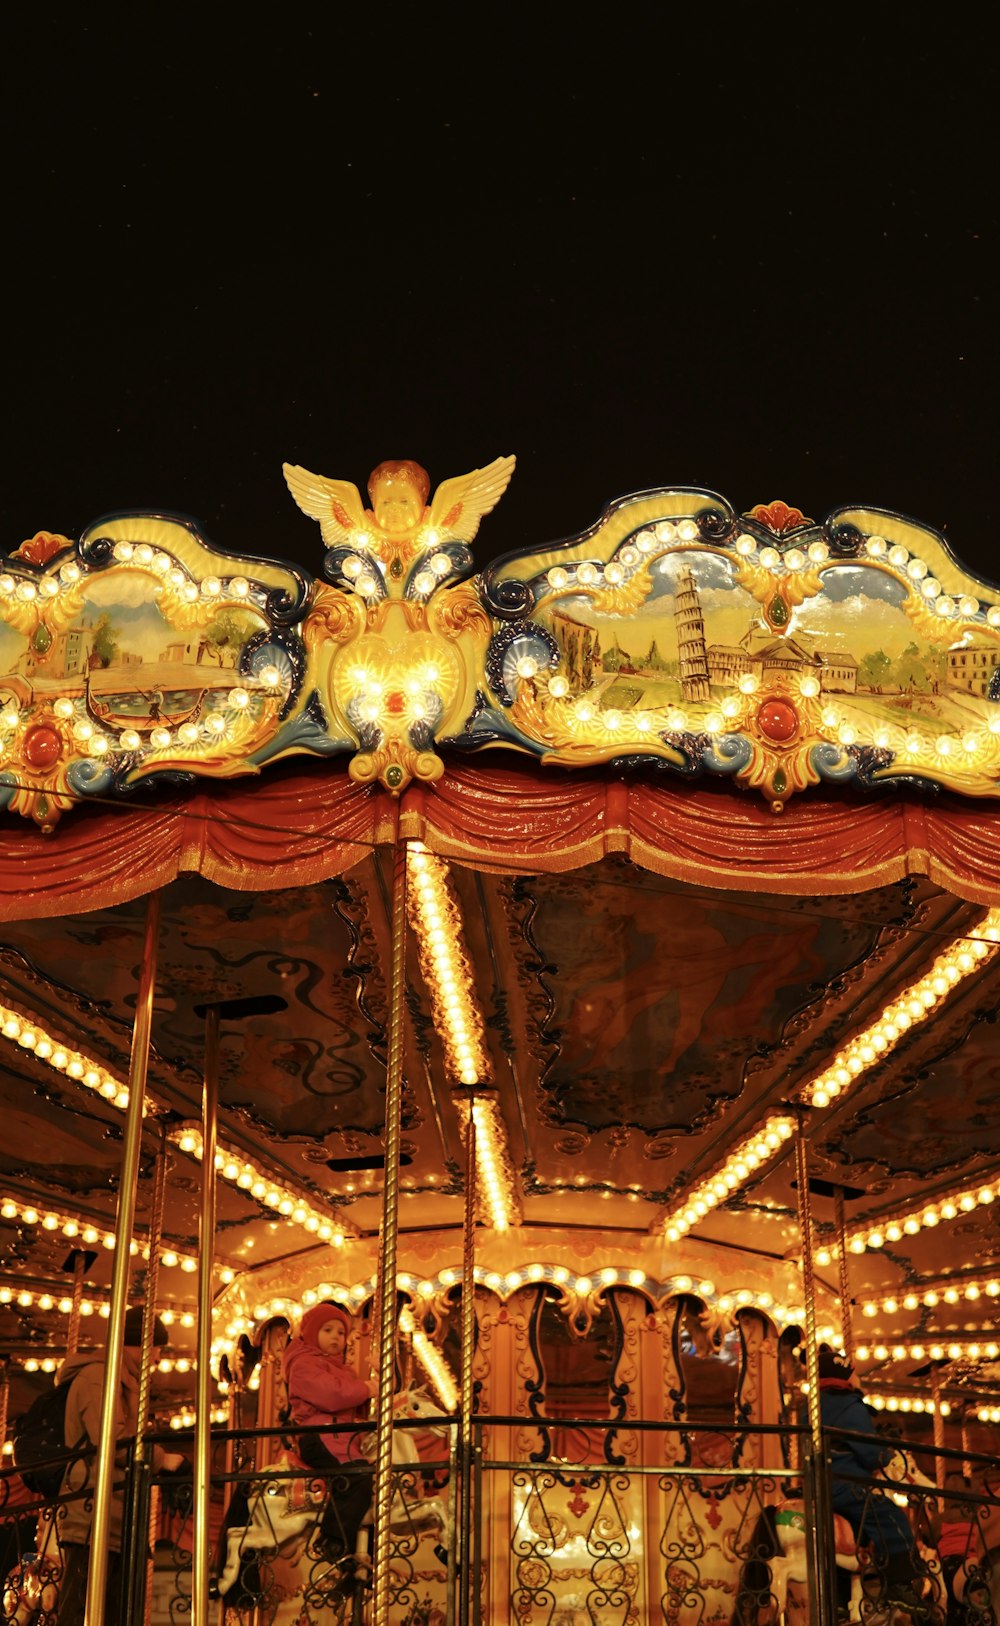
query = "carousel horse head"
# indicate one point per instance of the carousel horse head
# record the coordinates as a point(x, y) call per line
point(411, 1405)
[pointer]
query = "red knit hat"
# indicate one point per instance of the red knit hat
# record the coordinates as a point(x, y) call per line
point(317, 1317)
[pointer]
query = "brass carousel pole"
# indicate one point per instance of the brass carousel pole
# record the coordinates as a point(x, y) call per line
point(97, 1574)
point(468, 1344)
point(386, 1302)
point(822, 1607)
point(206, 1250)
point(152, 1287)
point(141, 1492)
point(846, 1319)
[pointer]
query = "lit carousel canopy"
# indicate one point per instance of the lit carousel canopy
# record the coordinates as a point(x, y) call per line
point(700, 820)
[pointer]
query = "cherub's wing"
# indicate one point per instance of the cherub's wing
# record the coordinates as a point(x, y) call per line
point(335, 503)
point(459, 504)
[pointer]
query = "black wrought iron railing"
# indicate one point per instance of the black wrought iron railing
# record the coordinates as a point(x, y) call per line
point(583, 1522)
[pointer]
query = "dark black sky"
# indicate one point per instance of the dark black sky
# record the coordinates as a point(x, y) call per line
point(723, 253)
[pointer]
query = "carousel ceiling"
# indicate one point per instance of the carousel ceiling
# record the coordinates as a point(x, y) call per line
point(637, 1030)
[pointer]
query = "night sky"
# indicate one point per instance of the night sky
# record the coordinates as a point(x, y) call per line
point(718, 253)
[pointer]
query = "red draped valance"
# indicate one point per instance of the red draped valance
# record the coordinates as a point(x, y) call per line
point(294, 829)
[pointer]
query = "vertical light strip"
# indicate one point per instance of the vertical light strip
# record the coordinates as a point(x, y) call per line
point(435, 918)
point(431, 1359)
point(445, 966)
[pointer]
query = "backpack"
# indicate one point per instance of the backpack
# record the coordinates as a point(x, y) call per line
point(39, 1436)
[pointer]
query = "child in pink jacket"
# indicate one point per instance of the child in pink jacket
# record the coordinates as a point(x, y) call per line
point(323, 1389)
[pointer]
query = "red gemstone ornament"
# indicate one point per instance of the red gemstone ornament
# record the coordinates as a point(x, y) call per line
point(395, 703)
point(778, 720)
point(42, 746)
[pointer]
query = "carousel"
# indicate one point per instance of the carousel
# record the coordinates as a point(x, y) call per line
point(573, 983)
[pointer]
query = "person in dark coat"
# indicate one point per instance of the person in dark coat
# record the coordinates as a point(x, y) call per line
point(878, 1523)
point(87, 1376)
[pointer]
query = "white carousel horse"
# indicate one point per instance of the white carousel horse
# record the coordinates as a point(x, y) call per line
point(282, 1509)
point(901, 1470)
point(417, 1406)
point(791, 1563)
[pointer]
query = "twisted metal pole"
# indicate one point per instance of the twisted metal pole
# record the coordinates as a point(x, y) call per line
point(73, 1333)
point(97, 1573)
point(386, 1302)
point(846, 1319)
point(821, 1604)
point(152, 1285)
point(139, 1530)
point(468, 1343)
point(206, 1253)
point(937, 1423)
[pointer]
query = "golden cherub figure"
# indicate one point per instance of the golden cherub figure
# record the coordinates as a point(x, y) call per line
point(400, 526)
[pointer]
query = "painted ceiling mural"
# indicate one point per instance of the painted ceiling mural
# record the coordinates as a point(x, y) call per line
point(655, 987)
point(765, 648)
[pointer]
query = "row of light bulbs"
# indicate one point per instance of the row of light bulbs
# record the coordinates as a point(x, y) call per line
point(958, 961)
point(30, 1035)
point(932, 1296)
point(163, 564)
point(907, 1403)
point(923, 1216)
point(973, 1349)
point(729, 715)
point(505, 1283)
point(50, 1363)
point(62, 1304)
point(438, 1371)
point(76, 1229)
point(653, 539)
point(637, 552)
point(138, 553)
point(96, 743)
point(247, 1177)
point(24, 1297)
point(748, 1157)
point(436, 923)
point(646, 542)
point(50, 585)
point(187, 1417)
